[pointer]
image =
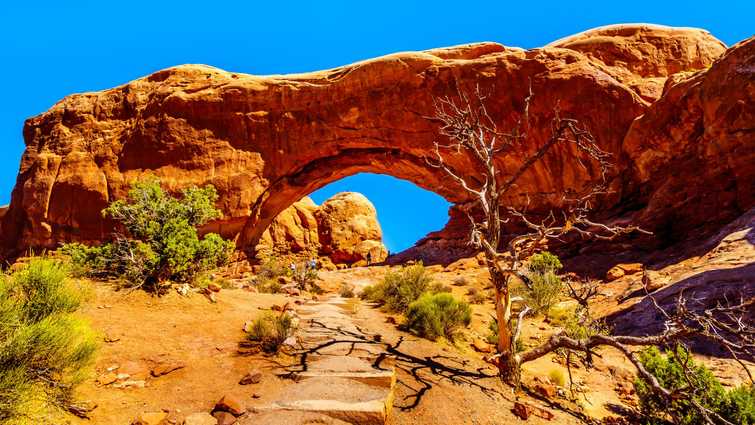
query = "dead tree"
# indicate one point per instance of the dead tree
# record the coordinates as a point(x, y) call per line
point(471, 132)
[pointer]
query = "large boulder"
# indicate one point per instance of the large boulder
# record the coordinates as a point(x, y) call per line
point(344, 229)
point(267, 141)
point(349, 229)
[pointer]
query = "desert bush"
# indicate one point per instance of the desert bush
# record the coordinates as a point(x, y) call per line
point(545, 286)
point(270, 331)
point(557, 377)
point(400, 288)
point(45, 350)
point(267, 278)
point(435, 315)
point(736, 406)
point(475, 296)
point(346, 290)
point(305, 278)
point(460, 281)
point(161, 242)
point(438, 287)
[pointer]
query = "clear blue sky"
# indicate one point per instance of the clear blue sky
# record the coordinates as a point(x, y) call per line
point(50, 49)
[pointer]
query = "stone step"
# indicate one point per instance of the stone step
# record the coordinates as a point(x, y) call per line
point(384, 379)
point(372, 412)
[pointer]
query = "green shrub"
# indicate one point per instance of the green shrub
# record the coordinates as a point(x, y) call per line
point(270, 330)
point(545, 285)
point(557, 377)
point(400, 288)
point(436, 315)
point(162, 244)
point(273, 268)
point(305, 278)
point(346, 290)
point(736, 406)
point(45, 350)
point(475, 296)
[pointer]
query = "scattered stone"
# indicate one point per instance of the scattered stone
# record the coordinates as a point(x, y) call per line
point(113, 368)
point(165, 366)
point(123, 376)
point(130, 384)
point(621, 270)
point(214, 287)
point(107, 378)
point(526, 410)
point(183, 289)
point(111, 338)
point(152, 418)
point(253, 377)
point(200, 419)
point(255, 395)
point(481, 346)
point(248, 350)
point(391, 320)
point(290, 341)
point(224, 418)
point(229, 404)
point(546, 390)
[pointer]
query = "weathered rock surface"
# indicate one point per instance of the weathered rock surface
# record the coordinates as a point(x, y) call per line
point(683, 160)
point(344, 229)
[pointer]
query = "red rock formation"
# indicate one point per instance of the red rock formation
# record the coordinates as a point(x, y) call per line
point(344, 229)
point(266, 142)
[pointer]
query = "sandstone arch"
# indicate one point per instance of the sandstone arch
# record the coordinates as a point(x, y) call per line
point(266, 141)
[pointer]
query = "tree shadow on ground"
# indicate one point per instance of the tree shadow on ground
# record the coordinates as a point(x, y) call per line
point(421, 373)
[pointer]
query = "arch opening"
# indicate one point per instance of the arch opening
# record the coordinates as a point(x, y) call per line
point(344, 219)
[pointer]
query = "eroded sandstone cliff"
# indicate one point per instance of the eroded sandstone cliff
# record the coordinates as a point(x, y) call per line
point(675, 112)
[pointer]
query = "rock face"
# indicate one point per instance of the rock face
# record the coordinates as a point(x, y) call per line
point(266, 142)
point(344, 228)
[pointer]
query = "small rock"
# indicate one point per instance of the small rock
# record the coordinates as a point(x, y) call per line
point(255, 395)
point(546, 390)
point(130, 384)
point(290, 341)
point(214, 287)
point(111, 338)
point(123, 376)
point(614, 273)
point(200, 419)
point(525, 410)
point(107, 378)
point(152, 418)
point(253, 377)
point(229, 404)
point(481, 346)
point(247, 327)
point(183, 289)
point(391, 320)
point(165, 367)
point(113, 368)
point(224, 418)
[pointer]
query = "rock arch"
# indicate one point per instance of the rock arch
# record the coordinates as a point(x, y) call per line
point(266, 141)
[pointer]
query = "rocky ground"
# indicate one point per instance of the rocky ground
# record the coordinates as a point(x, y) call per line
point(177, 357)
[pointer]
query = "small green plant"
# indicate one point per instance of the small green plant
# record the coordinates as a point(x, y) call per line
point(270, 331)
point(436, 315)
point(161, 242)
point(557, 377)
point(460, 281)
point(676, 370)
point(476, 296)
point(346, 290)
point(45, 349)
point(400, 288)
point(545, 286)
point(305, 278)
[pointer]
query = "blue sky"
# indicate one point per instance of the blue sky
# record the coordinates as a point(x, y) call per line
point(53, 48)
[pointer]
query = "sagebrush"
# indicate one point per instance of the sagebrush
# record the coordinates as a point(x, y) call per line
point(45, 349)
point(400, 288)
point(435, 315)
point(271, 330)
